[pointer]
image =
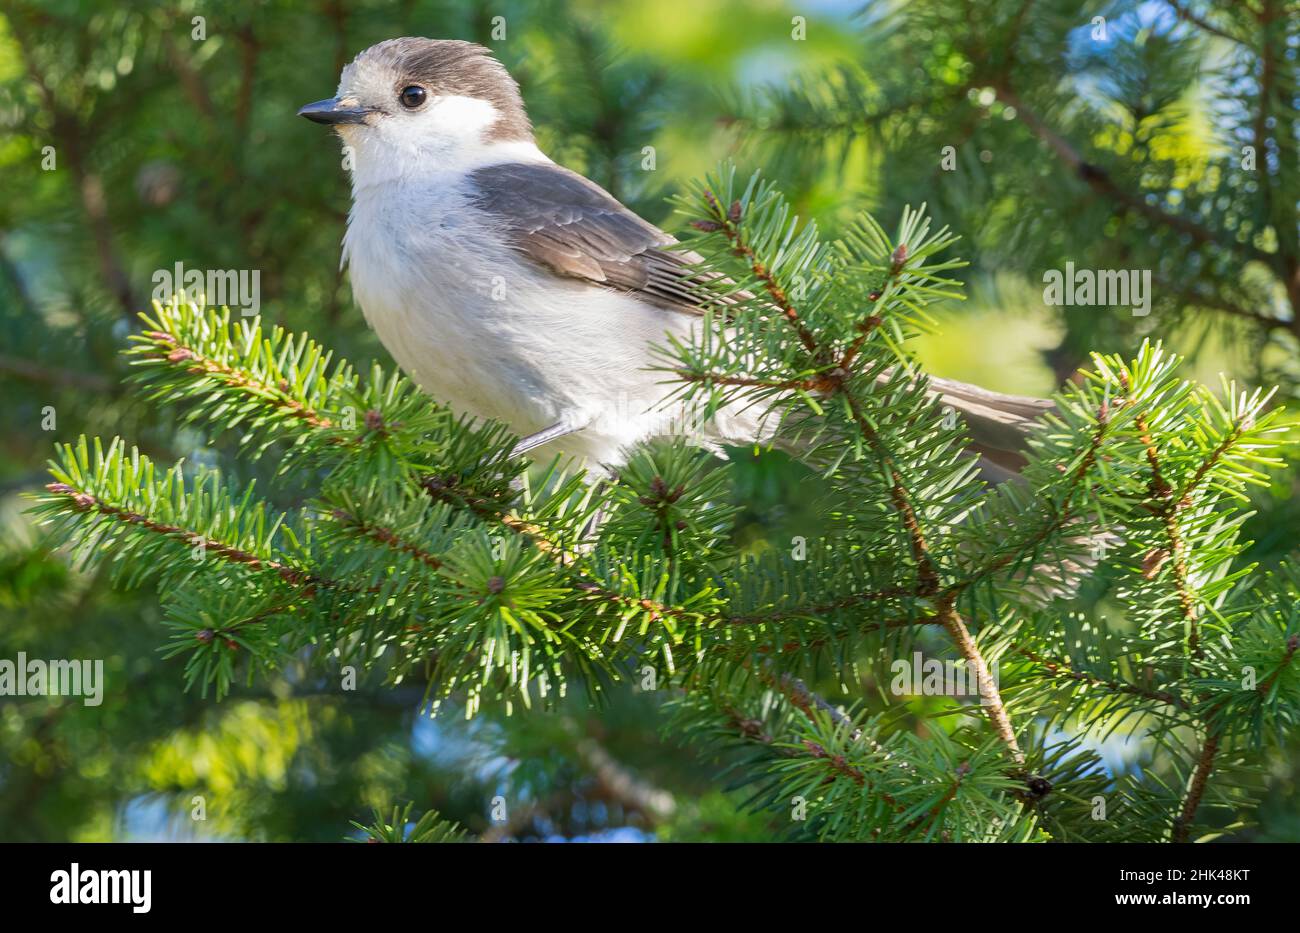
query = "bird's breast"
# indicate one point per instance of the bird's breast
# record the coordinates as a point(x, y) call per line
point(482, 329)
point(462, 313)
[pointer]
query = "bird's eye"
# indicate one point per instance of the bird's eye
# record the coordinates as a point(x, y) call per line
point(412, 97)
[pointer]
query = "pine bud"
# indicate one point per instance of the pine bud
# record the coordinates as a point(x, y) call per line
point(205, 636)
point(899, 258)
point(496, 585)
point(1039, 787)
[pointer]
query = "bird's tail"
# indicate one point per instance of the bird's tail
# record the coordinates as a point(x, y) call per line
point(999, 426)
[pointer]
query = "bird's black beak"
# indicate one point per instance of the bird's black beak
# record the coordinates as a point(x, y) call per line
point(330, 113)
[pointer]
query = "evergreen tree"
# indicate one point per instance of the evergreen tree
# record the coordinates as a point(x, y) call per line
point(428, 548)
point(189, 152)
point(1158, 136)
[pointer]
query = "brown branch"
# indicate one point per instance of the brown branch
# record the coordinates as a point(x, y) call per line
point(728, 221)
point(194, 362)
point(840, 765)
point(73, 142)
point(386, 537)
point(444, 491)
point(1195, 789)
point(928, 582)
point(812, 705)
point(619, 784)
point(817, 609)
point(1100, 181)
point(1266, 684)
point(1185, 495)
point(990, 697)
point(85, 502)
point(790, 646)
point(1167, 509)
point(1190, 16)
point(520, 818)
point(190, 80)
point(1182, 824)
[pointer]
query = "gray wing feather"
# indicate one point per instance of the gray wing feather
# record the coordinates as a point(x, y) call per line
point(576, 228)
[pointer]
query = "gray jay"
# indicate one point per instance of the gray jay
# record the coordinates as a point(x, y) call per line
point(510, 287)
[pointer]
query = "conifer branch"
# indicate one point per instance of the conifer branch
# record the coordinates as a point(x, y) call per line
point(1288, 656)
point(1186, 13)
point(1063, 670)
point(1196, 788)
point(1100, 181)
point(728, 222)
point(1168, 509)
point(812, 705)
point(1061, 514)
point(194, 361)
point(83, 501)
point(425, 533)
point(386, 537)
point(990, 696)
point(818, 609)
point(1184, 496)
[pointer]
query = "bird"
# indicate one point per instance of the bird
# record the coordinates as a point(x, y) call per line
point(511, 288)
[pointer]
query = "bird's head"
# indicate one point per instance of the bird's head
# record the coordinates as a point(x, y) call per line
point(434, 101)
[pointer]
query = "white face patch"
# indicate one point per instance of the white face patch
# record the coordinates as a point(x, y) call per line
point(463, 118)
point(446, 135)
point(442, 129)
